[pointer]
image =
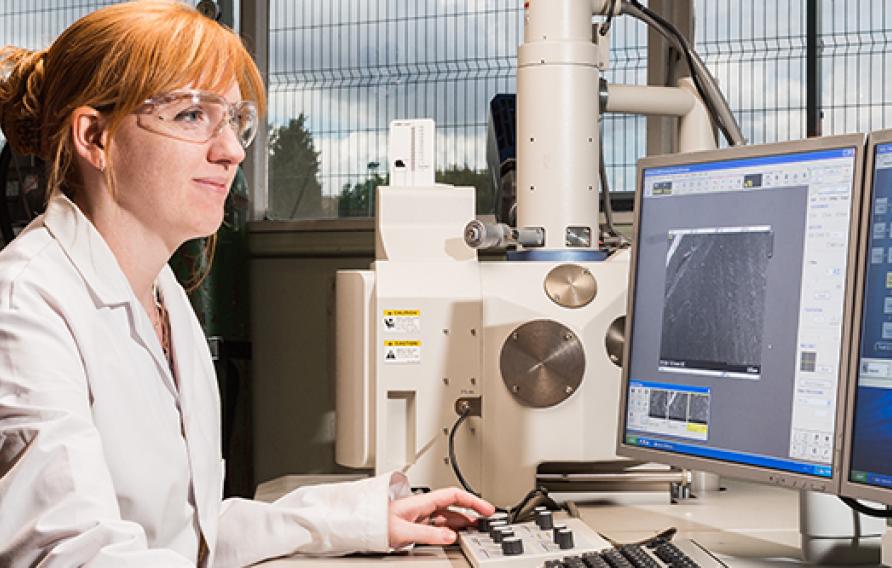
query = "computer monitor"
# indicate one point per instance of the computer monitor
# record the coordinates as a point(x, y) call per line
point(740, 301)
point(867, 458)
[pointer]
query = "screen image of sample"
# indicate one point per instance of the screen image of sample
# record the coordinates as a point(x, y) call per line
point(659, 401)
point(714, 302)
point(678, 406)
point(699, 409)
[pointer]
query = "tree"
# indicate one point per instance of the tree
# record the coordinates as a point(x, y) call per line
point(293, 171)
point(359, 200)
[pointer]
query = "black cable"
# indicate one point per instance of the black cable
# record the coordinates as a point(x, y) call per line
point(705, 79)
point(698, 73)
point(454, 462)
point(865, 510)
point(675, 37)
point(605, 27)
point(535, 498)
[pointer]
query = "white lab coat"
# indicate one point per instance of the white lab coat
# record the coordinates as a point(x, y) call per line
point(96, 468)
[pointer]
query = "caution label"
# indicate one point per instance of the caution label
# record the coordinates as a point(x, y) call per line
point(401, 352)
point(402, 321)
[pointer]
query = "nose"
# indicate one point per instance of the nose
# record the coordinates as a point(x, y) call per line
point(226, 148)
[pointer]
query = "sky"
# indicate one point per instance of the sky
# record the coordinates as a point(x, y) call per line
point(352, 66)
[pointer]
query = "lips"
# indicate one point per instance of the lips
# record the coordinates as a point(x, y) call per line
point(215, 184)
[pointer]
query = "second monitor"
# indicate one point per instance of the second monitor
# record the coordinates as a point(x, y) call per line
point(738, 313)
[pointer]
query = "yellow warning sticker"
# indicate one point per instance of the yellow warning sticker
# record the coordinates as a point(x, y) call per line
point(401, 322)
point(409, 343)
point(402, 351)
point(698, 428)
point(402, 312)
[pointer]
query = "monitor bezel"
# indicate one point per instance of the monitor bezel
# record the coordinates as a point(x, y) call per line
point(849, 488)
point(744, 471)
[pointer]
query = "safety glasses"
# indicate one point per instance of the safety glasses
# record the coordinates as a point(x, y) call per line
point(197, 116)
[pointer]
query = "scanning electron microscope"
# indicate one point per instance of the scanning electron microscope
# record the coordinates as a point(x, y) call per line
point(448, 367)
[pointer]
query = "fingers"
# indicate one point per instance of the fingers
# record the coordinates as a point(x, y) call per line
point(404, 513)
point(453, 519)
point(403, 532)
point(425, 504)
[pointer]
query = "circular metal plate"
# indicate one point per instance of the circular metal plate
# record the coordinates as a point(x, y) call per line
point(570, 285)
point(615, 340)
point(542, 363)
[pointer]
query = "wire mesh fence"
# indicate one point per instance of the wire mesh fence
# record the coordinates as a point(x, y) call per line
point(757, 52)
point(344, 69)
point(855, 66)
point(341, 70)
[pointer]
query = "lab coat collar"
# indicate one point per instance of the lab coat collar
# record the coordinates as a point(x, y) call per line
point(97, 265)
point(88, 251)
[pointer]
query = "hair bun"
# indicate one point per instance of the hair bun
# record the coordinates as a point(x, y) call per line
point(21, 83)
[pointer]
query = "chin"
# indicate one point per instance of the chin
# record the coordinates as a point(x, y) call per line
point(205, 228)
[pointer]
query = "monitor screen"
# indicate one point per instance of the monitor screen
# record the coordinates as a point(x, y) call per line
point(870, 422)
point(739, 301)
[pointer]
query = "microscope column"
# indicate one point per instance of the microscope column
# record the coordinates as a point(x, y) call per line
point(557, 122)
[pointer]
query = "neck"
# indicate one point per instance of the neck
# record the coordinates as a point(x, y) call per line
point(141, 252)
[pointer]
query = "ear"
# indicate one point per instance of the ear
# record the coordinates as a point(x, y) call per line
point(89, 136)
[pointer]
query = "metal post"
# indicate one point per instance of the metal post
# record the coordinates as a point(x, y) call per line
point(255, 32)
point(664, 68)
point(813, 110)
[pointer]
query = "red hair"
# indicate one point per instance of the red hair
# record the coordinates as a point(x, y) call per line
point(114, 58)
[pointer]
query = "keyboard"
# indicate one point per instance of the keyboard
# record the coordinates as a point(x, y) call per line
point(570, 543)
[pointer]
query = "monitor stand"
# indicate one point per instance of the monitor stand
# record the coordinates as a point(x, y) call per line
point(833, 533)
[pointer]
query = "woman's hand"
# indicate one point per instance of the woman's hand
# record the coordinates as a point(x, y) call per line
point(425, 518)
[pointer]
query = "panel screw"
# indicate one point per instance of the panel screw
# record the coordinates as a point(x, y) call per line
point(445, 332)
point(473, 331)
point(446, 461)
point(515, 388)
point(445, 431)
point(473, 381)
point(514, 336)
point(445, 380)
point(569, 389)
point(568, 336)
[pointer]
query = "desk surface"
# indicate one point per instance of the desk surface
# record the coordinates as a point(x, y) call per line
point(747, 525)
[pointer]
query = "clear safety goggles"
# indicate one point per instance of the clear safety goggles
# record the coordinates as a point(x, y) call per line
point(197, 116)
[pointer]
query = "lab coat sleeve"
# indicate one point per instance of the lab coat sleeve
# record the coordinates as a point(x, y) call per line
point(57, 501)
point(331, 519)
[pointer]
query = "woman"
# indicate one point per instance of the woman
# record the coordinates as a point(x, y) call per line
point(109, 412)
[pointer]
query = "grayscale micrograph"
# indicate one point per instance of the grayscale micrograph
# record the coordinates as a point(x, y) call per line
point(658, 402)
point(678, 406)
point(698, 409)
point(714, 302)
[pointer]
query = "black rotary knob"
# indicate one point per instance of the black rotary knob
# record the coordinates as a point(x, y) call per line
point(501, 533)
point(484, 523)
point(494, 527)
point(544, 520)
point(564, 539)
point(558, 527)
point(512, 546)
